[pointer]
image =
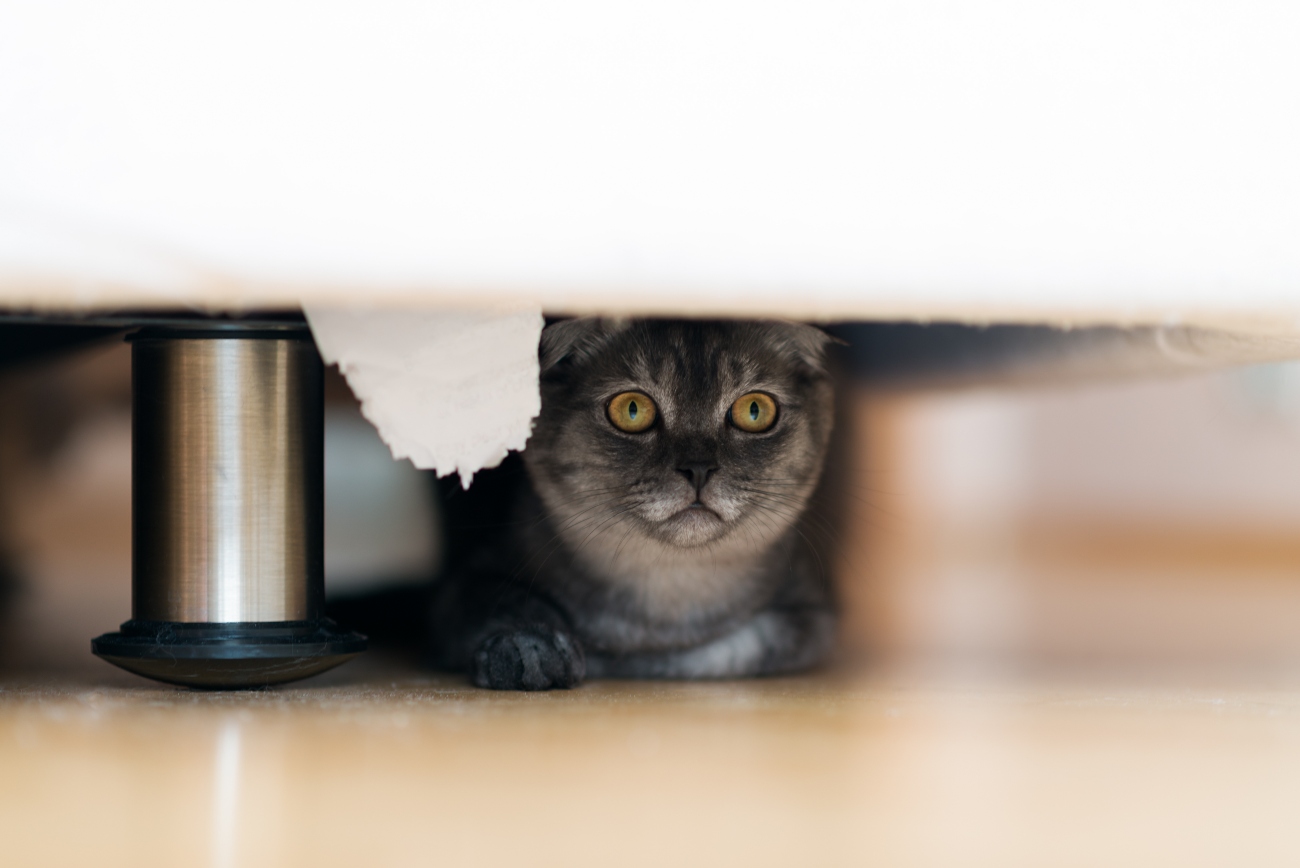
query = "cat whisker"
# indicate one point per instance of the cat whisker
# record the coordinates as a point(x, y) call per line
point(794, 509)
point(610, 521)
point(588, 514)
point(852, 495)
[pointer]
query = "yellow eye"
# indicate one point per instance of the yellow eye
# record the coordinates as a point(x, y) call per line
point(632, 412)
point(754, 412)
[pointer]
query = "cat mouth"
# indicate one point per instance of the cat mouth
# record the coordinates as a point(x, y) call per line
point(693, 524)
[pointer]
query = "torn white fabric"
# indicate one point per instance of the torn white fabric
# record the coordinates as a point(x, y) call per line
point(453, 391)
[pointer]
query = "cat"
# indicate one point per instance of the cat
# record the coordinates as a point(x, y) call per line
point(660, 533)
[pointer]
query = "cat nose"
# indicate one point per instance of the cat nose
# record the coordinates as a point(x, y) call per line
point(698, 474)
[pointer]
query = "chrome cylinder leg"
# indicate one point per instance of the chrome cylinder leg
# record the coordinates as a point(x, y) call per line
point(228, 495)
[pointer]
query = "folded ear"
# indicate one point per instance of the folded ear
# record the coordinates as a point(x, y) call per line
point(806, 343)
point(573, 338)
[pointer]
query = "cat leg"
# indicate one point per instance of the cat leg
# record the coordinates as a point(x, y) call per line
point(772, 642)
point(504, 637)
point(533, 657)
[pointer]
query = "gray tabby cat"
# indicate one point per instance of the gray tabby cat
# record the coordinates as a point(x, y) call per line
point(660, 536)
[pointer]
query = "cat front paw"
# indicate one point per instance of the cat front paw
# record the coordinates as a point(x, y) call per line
point(529, 659)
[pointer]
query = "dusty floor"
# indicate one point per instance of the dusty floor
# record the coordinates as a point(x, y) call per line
point(377, 764)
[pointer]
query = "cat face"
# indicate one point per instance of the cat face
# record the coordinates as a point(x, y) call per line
point(665, 436)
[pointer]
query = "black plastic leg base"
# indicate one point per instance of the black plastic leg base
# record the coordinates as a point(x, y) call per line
point(228, 656)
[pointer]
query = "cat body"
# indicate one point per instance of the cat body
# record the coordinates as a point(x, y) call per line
point(660, 534)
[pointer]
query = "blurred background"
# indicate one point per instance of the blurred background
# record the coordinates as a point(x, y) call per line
point(1113, 522)
point(1135, 523)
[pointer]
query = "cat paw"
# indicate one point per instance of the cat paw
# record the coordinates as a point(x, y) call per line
point(530, 659)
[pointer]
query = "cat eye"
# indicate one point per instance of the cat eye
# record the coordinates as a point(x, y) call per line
point(754, 412)
point(632, 412)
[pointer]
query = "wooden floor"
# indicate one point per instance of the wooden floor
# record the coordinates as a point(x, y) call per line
point(377, 764)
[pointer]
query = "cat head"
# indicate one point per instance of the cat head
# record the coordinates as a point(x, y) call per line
point(679, 435)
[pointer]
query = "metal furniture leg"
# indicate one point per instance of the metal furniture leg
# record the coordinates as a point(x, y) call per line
point(227, 510)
